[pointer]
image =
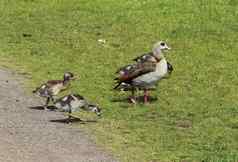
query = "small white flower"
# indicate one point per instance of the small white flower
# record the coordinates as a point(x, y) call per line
point(103, 41)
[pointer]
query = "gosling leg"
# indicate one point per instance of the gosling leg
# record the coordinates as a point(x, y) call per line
point(47, 103)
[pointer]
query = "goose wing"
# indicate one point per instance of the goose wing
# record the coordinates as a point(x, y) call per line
point(130, 72)
point(42, 90)
point(145, 57)
point(53, 82)
point(170, 68)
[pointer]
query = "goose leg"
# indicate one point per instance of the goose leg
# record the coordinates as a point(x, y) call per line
point(132, 98)
point(52, 99)
point(146, 94)
point(69, 119)
point(69, 115)
point(47, 103)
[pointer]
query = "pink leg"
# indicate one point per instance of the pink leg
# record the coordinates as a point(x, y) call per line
point(146, 96)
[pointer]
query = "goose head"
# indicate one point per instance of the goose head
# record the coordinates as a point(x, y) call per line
point(95, 108)
point(68, 76)
point(159, 48)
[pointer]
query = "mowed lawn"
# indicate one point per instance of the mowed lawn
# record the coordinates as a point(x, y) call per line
point(195, 116)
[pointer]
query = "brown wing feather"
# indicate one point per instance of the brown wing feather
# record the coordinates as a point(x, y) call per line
point(145, 57)
point(53, 82)
point(123, 68)
point(140, 59)
point(132, 71)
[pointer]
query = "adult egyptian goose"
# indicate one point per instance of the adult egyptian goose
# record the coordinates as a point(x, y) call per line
point(75, 103)
point(53, 87)
point(145, 73)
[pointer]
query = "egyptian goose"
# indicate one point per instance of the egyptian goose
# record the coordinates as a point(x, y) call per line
point(75, 103)
point(145, 73)
point(53, 87)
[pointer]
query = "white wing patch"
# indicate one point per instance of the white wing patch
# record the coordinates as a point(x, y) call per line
point(128, 67)
point(65, 98)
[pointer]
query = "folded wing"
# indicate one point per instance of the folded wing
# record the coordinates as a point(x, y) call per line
point(130, 72)
point(145, 57)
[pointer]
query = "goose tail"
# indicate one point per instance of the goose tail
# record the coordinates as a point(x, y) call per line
point(116, 87)
point(123, 86)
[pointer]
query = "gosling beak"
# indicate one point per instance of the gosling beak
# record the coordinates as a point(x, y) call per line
point(74, 78)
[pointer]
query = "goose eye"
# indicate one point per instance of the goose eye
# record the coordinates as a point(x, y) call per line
point(162, 44)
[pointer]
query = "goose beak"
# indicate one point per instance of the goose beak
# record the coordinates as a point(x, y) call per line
point(167, 47)
point(74, 78)
point(99, 114)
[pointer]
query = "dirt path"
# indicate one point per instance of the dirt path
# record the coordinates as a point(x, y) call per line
point(27, 135)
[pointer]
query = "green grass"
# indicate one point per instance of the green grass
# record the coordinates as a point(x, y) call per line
point(196, 115)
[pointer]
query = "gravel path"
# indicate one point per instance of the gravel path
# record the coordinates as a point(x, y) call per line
point(27, 135)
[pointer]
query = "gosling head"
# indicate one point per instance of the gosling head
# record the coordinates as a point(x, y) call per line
point(95, 108)
point(69, 76)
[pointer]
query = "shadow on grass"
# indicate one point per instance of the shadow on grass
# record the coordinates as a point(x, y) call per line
point(51, 108)
point(139, 99)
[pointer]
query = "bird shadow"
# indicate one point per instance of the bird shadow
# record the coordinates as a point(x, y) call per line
point(139, 99)
point(72, 120)
point(51, 108)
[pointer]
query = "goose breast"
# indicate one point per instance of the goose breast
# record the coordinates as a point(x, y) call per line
point(152, 78)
